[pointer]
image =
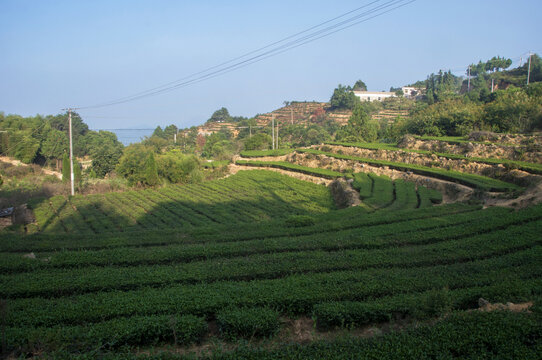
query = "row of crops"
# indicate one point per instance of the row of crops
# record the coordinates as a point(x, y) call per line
point(285, 165)
point(380, 192)
point(238, 199)
point(377, 192)
point(345, 269)
point(476, 181)
point(515, 164)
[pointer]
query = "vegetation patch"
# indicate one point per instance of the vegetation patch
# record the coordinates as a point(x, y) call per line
point(261, 153)
point(248, 323)
point(284, 165)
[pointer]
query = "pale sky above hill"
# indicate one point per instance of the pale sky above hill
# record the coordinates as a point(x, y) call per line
point(75, 53)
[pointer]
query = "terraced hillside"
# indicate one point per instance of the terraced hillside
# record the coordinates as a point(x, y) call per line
point(459, 168)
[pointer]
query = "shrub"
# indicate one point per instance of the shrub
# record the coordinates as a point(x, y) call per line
point(434, 303)
point(299, 221)
point(248, 322)
point(346, 314)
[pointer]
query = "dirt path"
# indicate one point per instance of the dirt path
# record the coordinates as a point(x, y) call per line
point(16, 162)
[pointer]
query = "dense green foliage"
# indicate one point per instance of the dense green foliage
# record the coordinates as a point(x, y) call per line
point(248, 322)
point(140, 165)
point(360, 127)
point(44, 140)
point(343, 98)
point(223, 115)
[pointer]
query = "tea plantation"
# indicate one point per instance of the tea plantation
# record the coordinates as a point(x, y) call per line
point(163, 272)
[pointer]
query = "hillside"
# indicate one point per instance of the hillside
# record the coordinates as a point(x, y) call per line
point(304, 113)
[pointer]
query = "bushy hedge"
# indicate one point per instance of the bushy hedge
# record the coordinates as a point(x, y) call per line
point(432, 303)
point(114, 333)
point(299, 221)
point(470, 335)
point(248, 322)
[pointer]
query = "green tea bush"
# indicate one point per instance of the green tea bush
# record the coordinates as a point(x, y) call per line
point(299, 221)
point(435, 302)
point(248, 322)
point(347, 314)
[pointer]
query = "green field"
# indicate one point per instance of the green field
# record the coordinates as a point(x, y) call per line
point(246, 267)
point(241, 198)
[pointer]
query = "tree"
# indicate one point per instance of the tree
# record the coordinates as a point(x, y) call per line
point(178, 168)
point(65, 168)
point(54, 144)
point(221, 115)
point(359, 86)
point(77, 172)
point(105, 151)
point(343, 98)
point(259, 141)
point(132, 163)
point(151, 171)
point(360, 127)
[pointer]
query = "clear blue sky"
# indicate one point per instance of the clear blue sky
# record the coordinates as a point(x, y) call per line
point(75, 53)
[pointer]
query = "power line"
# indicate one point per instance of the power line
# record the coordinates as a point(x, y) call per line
point(249, 53)
point(369, 14)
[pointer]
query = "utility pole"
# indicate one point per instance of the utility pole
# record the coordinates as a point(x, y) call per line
point(71, 150)
point(529, 71)
point(468, 77)
point(291, 114)
point(273, 130)
point(492, 84)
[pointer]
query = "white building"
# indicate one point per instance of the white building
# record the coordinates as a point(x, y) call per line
point(411, 92)
point(373, 95)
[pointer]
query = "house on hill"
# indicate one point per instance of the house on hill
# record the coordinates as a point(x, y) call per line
point(411, 92)
point(373, 95)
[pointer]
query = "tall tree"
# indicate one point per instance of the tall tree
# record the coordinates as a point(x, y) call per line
point(151, 171)
point(65, 168)
point(343, 98)
point(360, 86)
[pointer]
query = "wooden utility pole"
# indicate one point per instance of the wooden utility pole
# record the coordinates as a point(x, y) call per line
point(529, 71)
point(71, 151)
